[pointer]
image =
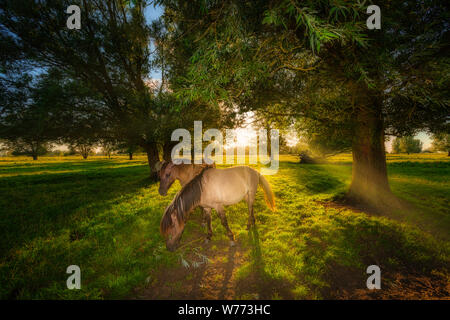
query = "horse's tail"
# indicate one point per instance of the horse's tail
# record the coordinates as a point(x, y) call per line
point(268, 194)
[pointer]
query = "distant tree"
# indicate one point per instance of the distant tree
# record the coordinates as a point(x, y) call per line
point(20, 147)
point(410, 145)
point(83, 135)
point(108, 146)
point(129, 148)
point(407, 145)
point(396, 145)
point(29, 113)
point(441, 142)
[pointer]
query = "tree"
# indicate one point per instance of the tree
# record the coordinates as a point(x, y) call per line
point(318, 60)
point(108, 146)
point(410, 145)
point(396, 145)
point(441, 142)
point(29, 114)
point(83, 131)
point(129, 148)
point(407, 145)
point(110, 53)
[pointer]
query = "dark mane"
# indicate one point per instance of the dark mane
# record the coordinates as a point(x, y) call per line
point(164, 165)
point(184, 202)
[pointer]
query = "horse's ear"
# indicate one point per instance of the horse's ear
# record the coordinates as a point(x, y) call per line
point(158, 165)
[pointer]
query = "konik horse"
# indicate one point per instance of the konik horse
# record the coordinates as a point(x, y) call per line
point(213, 189)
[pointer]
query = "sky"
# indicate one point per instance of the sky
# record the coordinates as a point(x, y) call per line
point(152, 13)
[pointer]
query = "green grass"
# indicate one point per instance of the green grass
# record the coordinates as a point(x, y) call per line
point(103, 215)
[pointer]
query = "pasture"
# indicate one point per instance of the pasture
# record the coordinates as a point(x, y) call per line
point(103, 215)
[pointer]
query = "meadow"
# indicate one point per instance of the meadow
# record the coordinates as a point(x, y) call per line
point(103, 215)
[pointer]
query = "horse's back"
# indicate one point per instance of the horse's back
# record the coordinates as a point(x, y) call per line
point(230, 185)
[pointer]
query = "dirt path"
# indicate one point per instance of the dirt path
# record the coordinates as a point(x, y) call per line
point(215, 279)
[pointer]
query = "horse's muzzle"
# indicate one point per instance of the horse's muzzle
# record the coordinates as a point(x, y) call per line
point(173, 246)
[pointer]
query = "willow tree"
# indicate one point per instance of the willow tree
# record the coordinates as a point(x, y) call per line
point(318, 59)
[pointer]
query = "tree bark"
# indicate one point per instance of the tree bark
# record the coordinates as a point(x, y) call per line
point(34, 156)
point(167, 150)
point(153, 157)
point(130, 155)
point(369, 173)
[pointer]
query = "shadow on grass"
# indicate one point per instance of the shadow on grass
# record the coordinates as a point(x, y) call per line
point(258, 280)
point(18, 168)
point(316, 179)
point(34, 205)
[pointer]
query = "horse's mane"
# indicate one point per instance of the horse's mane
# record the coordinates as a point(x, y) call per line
point(164, 165)
point(185, 200)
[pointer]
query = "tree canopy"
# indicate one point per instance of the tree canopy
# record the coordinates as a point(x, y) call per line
point(318, 60)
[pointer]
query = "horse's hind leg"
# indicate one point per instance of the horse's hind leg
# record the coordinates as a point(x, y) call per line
point(223, 219)
point(207, 218)
point(251, 216)
point(250, 198)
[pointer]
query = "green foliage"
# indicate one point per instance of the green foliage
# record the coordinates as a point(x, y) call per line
point(441, 142)
point(31, 113)
point(318, 60)
point(407, 144)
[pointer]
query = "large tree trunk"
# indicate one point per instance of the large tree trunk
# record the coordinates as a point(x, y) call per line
point(369, 174)
point(153, 158)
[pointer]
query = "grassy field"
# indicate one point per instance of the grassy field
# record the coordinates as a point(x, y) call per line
point(103, 215)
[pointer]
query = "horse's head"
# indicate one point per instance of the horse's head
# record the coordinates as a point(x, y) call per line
point(177, 213)
point(172, 227)
point(167, 177)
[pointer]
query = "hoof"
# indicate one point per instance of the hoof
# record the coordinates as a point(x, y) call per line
point(232, 243)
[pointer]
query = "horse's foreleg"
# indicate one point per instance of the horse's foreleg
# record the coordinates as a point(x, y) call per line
point(223, 219)
point(204, 218)
point(207, 218)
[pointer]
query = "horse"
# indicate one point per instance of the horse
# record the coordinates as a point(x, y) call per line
point(168, 172)
point(213, 189)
